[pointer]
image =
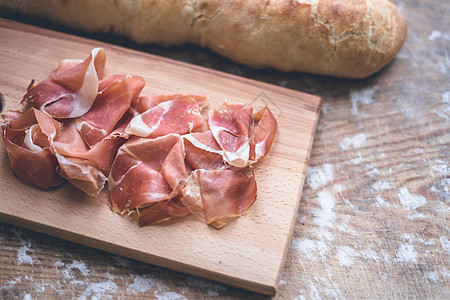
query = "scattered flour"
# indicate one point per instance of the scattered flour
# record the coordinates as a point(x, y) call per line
point(344, 227)
point(419, 216)
point(406, 253)
point(67, 269)
point(81, 266)
point(373, 171)
point(441, 114)
point(99, 290)
point(329, 287)
point(381, 202)
point(369, 254)
point(355, 141)
point(442, 68)
point(27, 297)
point(14, 281)
point(381, 185)
point(309, 248)
point(346, 256)
point(446, 97)
point(170, 296)
point(22, 256)
point(410, 201)
point(313, 291)
point(325, 215)
point(445, 273)
point(445, 244)
point(431, 276)
point(409, 238)
point(320, 176)
point(435, 34)
point(357, 160)
point(141, 284)
point(441, 168)
point(363, 96)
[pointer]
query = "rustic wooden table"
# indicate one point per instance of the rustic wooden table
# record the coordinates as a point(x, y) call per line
point(373, 216)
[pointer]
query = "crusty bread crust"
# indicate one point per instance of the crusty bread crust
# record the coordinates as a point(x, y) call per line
point(342, 38)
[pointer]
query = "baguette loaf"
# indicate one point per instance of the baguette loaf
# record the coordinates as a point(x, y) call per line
point(342, 38)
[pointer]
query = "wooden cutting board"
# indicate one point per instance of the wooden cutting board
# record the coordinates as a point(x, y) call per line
point(249, 252)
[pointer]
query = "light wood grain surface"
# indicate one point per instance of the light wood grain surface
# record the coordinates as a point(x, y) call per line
point(372, 221)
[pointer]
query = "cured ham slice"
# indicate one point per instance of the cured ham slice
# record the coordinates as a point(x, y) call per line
point(144, 103)
point(27, 142)
point(230, 126)
point(262, 135)
point(203, 152)
point(114, 99)
point(70, 90)
point(162, 211)
point(86, 168)
point(136, 180)
point(179, 115)
point(216, 196)
point(243, 136)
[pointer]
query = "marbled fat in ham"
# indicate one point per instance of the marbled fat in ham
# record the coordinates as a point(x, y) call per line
point(179, 115)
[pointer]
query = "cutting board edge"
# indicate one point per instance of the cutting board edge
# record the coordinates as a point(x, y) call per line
point(299, 194)
point(266, 289)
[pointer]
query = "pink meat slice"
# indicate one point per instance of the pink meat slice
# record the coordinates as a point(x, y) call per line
point(71, 89)
point(113, 100)
point(180, 115)
point(230, 126)
point(262, 134)
point(243, 136)
point(86, 168)
point(202, 151)
point(144, 103)
point(137, 179)
point(162, 211)
point(216, 196)
point(27, 141)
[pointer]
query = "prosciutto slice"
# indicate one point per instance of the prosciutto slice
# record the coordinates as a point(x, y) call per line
point(262, 134)
point(203, 152)
point(27, 141)
point(230, 126)
point(113, 100)
point(137, 176)
point(179, 115)
point(144, 103)
point(162, 211)
point(71, 89)
point(244, 137)
point(86, 168)
point(216, 196)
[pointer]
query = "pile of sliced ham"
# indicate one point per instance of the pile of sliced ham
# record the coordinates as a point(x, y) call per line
point(161, 156)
